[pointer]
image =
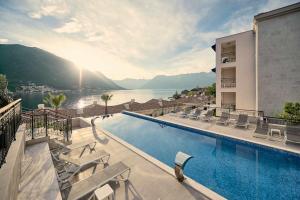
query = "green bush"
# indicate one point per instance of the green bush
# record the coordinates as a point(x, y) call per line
point(291, 111)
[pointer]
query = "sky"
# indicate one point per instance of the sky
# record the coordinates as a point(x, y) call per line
point(130, 38)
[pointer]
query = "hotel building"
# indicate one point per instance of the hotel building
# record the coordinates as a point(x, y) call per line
point(260, 69)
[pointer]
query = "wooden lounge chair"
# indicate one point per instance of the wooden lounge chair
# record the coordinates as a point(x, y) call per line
point(261, 130)
point(113, 172)
point(292, 134)
point(91, 144)
point(207, 116)
point(242, 121)
point(224, 118)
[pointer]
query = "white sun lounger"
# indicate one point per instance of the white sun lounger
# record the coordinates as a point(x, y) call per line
point(76, 164)
point(91, 144)
point(113, 172)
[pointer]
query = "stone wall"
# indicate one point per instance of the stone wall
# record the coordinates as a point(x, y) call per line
point(10, 172)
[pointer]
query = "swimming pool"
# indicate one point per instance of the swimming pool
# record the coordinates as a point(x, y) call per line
point(233, 169)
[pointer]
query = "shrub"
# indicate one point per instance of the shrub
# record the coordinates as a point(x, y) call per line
point(291, 111)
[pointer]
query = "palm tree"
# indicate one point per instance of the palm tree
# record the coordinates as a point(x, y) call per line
point(106, 98)
point(54, 101)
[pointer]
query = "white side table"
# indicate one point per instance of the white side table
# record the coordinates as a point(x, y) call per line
point(105, 192)
point(275, 130)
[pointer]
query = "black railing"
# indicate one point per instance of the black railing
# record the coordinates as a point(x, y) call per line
point(47, 122)
point(10, 119)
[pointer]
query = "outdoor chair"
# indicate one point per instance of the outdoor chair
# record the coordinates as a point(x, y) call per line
point(208, 115)
point(242, 121)
point(292, 134)
point(195, 114)
point(262, 129)
point(62, 148)
point(113, 172)
point(184, 113)
point(76, 164)
point(224, 118)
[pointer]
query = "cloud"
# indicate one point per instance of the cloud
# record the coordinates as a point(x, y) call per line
point(3, 40)
point(73, 26)
point(48, 8)
point(131, 38)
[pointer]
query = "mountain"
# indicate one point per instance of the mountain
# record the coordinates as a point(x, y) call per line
point(186, 81)
point(130, 83)
point(181, 81)
point(23, 65)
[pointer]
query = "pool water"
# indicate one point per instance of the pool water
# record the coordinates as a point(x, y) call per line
point(231, 168)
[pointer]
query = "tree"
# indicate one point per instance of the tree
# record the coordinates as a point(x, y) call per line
point(291, 111)
point(55, 101)
point(176, 95)
point(211, 90)
point(3, 83)
point(106, 98)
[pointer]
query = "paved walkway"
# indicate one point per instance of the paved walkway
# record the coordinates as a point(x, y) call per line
point(230, 130)
point(146, 181)
point(38, 179)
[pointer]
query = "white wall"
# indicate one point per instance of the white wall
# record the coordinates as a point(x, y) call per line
point(278, 62)
point(245, 70)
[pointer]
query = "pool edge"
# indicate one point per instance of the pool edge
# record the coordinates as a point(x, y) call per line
point(213, 133)
point(189, 181)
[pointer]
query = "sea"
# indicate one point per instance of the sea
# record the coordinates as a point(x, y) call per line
point(80, 99)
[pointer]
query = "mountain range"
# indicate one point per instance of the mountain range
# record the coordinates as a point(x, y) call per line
point(181, 81)
point(23, 65)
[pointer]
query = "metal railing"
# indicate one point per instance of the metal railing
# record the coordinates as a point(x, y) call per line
point(234, 111)
point(10, 119)
point(227, 59)
point(228, 83)
point(47, 122)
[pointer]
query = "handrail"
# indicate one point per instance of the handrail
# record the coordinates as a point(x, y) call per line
point(10, 119)
point(46, 110)
point(9, 106)
point(47, 119)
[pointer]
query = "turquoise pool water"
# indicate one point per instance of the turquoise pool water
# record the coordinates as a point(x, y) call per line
point(233, 169)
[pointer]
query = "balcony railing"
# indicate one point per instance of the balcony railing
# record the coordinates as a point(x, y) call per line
point(10, 119)
point(228, 83)
point(231, 109)
point(226, 59)
point(228, 106)
point(47, 122)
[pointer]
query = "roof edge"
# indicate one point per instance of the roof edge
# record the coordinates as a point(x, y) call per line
point(277, 12)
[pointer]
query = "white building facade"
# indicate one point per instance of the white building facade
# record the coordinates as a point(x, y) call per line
point(259, 69)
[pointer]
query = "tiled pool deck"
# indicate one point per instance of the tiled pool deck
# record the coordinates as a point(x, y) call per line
point(147, 180)
point(231, 131)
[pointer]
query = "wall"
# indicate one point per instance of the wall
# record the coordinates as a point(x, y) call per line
point(278, 66)
point(245, 70)
point(10, 172)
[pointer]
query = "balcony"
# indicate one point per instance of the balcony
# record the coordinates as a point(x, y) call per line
point(228, 52)
point(228, 83)
point(228, 100)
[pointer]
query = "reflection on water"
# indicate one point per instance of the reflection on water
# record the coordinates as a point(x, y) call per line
point(79, 99)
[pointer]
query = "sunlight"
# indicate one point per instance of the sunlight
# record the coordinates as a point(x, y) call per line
point(80, 104)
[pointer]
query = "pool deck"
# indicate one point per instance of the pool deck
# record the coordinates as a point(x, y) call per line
point(38, 179)
point(231, 131)
point(146, 181)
